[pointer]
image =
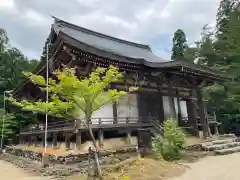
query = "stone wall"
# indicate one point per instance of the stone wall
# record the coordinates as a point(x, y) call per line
point(69, 159)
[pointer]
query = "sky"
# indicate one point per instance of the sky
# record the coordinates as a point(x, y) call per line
point(151, 22)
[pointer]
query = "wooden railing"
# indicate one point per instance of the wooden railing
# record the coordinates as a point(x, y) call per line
point(156, 125)
point(51, 125)
point(78, 124)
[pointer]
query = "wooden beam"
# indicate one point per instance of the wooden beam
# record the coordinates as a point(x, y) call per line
point(203, 120)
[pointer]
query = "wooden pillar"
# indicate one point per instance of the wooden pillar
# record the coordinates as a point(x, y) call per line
point(115, 119)
point(43, 140)
point(179, 115)
point(29, 140)
point(129, 137)
point(24, 140)
point(20, 139)
point(216, 131)
point(171, 102)
point(36, 140)
point(206, 118)
point(192, 117)
point(33, 140)
point(202, 113)
point(67, 141)
point(101, 137)
point(54, 142)
point(78, 139)
point(161, 110)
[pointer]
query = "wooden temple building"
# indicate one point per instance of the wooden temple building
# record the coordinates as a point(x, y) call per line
point(168, 89)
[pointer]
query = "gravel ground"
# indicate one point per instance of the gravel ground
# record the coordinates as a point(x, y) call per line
point(10, 172)
point(213, 168)
point(209, 168)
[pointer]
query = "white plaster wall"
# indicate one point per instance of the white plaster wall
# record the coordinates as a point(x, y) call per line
point(183, 108)
point(166, 107)
point(127, 107)
point(105, 113)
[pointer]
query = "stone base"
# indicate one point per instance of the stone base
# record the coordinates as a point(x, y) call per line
point(45, 160)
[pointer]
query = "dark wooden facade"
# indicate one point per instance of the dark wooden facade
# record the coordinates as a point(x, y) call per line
point(155, 77)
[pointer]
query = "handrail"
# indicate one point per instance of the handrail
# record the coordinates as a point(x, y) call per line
point(94, 121)
point(157, 125)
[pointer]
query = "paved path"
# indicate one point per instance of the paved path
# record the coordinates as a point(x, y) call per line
point(10, 172)
point(213, 168)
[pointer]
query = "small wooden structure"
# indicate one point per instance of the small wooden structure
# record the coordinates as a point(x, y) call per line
point(144, 141)
point(168, 89)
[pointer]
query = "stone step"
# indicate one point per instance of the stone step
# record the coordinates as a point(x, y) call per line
point(227, 151)
point(227, 136)
point(224, 141)
point(221, 146)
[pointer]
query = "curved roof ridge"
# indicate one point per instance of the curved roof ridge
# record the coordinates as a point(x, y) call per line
point(79, 28)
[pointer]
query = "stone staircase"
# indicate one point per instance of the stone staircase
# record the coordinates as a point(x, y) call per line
point(222, 147)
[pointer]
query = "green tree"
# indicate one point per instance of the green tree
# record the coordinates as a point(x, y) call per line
point(221, 46)
point(223, 15)
point(173, 142)
point(190, 54)
point(225, 98)
point(70, 96)
point(3, 40)
point(179, 45)
point(7, 127)
point(206, 53)
point(12, 63)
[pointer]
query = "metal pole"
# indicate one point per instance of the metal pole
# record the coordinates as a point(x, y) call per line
point(3, 119)
point(46, 118)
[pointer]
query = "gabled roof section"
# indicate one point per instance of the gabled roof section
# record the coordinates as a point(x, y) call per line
point(107, 43)
point(194, 68)
point(130, 51)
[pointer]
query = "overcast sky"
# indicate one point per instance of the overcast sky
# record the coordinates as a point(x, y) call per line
point(145, 21)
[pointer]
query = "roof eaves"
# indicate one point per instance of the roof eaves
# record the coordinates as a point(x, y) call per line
point(70, 25)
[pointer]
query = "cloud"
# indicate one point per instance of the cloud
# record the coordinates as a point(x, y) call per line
point(145, 21)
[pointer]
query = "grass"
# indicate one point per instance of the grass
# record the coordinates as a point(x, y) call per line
point(141, 169)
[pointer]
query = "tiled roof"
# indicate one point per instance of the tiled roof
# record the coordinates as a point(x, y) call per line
point(107, 43)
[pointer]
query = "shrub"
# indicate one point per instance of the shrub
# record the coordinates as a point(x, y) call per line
point(172, 144)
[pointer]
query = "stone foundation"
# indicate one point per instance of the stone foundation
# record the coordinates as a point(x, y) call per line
point(69, 159)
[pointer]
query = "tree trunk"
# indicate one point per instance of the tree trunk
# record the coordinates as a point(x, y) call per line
point(87, 124)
